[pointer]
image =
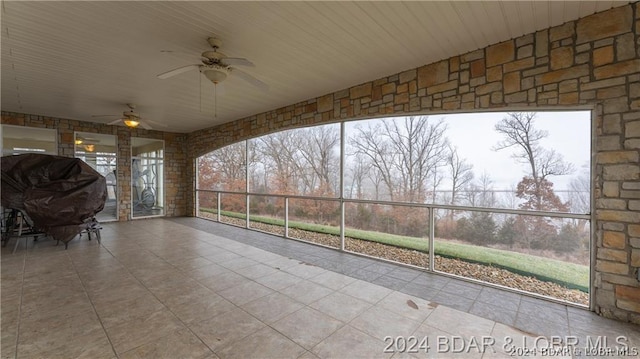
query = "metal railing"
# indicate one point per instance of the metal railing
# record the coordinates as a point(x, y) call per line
point(431, 222)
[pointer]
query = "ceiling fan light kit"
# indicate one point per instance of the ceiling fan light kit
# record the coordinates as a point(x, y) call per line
point(131, 122)
point(214, 73)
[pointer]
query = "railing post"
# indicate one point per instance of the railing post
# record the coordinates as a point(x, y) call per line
point(247, 211)
point(246, 181)
point(286, 217)
point(342, 239)
point(218, 195)
point(432, 227)
point(342, 206)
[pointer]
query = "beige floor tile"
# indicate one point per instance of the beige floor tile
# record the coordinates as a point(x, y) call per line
point(335, 281)
point(224, 281)
point(307, 326)
point(461, 323)
point(245, 293)
point(179, 344)
point(405, 305)
point(341, 306)
point(308, 355)
point(117, 294)
point(147, 274)
point(509, 338)
point(272, 307)
point(348, 342)
point(263, 344)
point(38, 337)
point(263, 256)
point(8, 334)
point(192, 263)
point(10, 301)
point(306, 292)
point(222, 256)
point(201, 308)
point(110, 283)
point(169, 281)
point(281, 262)
point(305, 270)
point(53, 315)
point(34, 286)
point(42, 303)
point(56, 290)
point(88, 346)
point(278, 280)
point(430, 342)
point(126, 310)
point(366, 291)
point(380, 323)
point(237, 263)
point(174, 296)
point(256, 271)
point(219, 331)
point(9, 322)
point(137, 332)
point(206, 271)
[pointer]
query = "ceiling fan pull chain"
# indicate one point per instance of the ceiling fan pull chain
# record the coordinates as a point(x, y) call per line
point(215, 101)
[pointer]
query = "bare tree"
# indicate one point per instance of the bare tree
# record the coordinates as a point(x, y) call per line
point(580, 192)
point(378, 153)
point(405, 152)
point(358, 172)
point(460, 171)
point(520, 133)
point(518, 129)
point(480, 193)
point(278, 152)
point(319, 153)
point(224, 168)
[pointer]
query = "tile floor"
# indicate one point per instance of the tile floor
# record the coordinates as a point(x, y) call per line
point(191, 288)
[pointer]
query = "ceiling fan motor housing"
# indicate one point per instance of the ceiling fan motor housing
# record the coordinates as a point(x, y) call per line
point(214, 42)
point(131, 115)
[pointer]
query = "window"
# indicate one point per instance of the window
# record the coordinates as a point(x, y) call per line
point(21, 139)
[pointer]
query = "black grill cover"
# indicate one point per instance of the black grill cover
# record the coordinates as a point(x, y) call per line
point(60, 194)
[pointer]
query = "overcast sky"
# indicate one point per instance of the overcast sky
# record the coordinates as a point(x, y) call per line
point(475, 136)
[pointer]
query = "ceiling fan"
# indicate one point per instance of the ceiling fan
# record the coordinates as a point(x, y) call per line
point(216, 67)
point(132, 119)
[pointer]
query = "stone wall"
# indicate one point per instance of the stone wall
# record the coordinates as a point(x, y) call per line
point(175, 156)
point(592, 63)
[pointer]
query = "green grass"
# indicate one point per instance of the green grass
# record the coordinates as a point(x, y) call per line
point(570, 275)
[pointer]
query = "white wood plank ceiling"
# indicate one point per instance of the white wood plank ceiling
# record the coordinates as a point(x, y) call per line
point(78, 59)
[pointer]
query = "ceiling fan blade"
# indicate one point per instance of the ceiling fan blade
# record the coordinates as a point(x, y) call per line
point(178, 71)
point(145, 125)
point(250, 79)
point(114, 122)
point(237, 61)
point(104, 115)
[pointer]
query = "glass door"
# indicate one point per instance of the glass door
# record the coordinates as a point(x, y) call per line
point(99, 151)
point(147, 177)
